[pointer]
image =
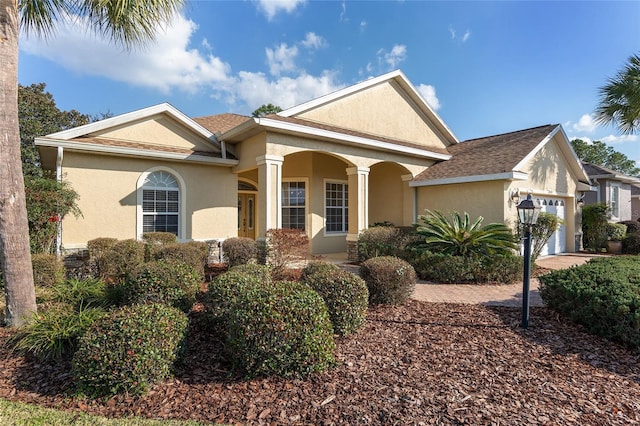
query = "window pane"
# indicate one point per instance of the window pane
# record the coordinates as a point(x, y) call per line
point(293, 205)
point(336, 211)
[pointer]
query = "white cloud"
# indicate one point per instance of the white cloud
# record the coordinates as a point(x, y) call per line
point(455, 37)
point(466, 36)
point(393, 58)
point(585, 124)
point(363, 26)
point(281, 59)
point(613, 139)
point(343, 13)
point(165, 64)
point(428, 93)
point(272, 7)
point(313, 41)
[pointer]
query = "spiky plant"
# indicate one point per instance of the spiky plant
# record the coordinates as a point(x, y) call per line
point(461, 237)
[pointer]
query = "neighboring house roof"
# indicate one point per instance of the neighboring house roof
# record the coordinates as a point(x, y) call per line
point(635, 191)
point(599, 172)
point(221, 123)
point(397, 76)
point(496, 157)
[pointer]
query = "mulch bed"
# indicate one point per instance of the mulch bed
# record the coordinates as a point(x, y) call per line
point(420, 363)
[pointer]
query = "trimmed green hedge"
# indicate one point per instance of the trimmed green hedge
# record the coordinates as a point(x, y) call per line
point(390, 280)
point(444, 268)
point(602, 295)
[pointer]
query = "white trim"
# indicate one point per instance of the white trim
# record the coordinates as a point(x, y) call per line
point(609, 191)
point(269, 160)
point(324, 200)
point(397, 76)
point(136, 152)
point(183, 200)
point(307, 210)
point(59, 158)
point(350, 139)
point(467, 179)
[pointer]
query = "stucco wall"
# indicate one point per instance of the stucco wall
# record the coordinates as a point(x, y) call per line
point(160, 130)
point(386, 194)
point(108, 198)
point(380, 110)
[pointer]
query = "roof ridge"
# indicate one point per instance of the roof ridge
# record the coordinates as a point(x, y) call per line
point(511, 133)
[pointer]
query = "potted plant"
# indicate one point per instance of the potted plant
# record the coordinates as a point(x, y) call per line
point(615, 234)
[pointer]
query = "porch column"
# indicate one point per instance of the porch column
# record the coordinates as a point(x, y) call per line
point(358, 181)
point(270, 194)
point(408, 201)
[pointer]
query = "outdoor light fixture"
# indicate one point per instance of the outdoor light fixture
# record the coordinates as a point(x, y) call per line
point(580, 201)
point(515, 196)
point(528, 212)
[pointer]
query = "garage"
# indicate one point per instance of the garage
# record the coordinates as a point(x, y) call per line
point(558, 241)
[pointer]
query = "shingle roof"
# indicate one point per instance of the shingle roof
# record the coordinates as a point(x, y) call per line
point(144, 146)
point(596, 171)
point(322, 126)
point(488, 155)
point(221, 123)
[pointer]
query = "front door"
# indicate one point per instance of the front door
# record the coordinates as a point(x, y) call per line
point(246, 215)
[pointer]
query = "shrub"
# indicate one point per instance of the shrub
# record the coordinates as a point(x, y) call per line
point(616, 231)
point(282, 329)
point(602, 295)
point(159, 238)
point(345, 294)
point(285, 246)
point(172, 283)
point(192, 253)
point(460, 237)
point(594, 225)
point(384, 241)
point(238, 251)
point(122, 257)
point(631, 244)
point(53, 335)
point(129, 350)
point(82, 293)
point(98, 247)
point(225, 288)
point(632, 226)
point(443, 268)
point(545, 226)
point(47, 269)
point(390, 280)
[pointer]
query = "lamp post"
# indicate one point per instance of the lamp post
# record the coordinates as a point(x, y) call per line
point(528, 212)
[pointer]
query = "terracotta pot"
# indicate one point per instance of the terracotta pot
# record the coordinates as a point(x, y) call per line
point(614, 247)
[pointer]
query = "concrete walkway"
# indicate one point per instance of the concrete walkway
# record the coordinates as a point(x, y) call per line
point(496, 295)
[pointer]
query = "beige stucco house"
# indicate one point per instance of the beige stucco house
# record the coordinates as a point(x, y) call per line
point(371, 152)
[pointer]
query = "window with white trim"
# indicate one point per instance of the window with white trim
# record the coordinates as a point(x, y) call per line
point(294, 205)
point(614, 200)
point(336, 207)
point(160, 203)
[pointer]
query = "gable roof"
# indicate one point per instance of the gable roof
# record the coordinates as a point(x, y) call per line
point(595, 171)
point(400, 79)
point(496, 157)
point(82, 138)
point(221, 123)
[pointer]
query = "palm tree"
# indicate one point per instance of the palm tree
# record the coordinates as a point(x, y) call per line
point(620, 99)
point(127, 22)
point(461, 237)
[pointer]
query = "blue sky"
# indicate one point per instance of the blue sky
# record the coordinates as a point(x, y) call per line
point(485, 67)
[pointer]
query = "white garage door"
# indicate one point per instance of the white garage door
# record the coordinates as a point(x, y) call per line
point(558, 241)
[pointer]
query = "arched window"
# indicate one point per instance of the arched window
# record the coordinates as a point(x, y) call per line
point(161, 203)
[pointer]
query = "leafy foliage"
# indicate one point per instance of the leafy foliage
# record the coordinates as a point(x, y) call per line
point(122, 257)
point(53, 335)
point(266, 109)
point(602, 295)
point(595, 218)
point(631, 244)
point(129, 350)
point(616, 231)
point(82, 293)
point(443, 268)
point(601, 154)
point(390, 280)
point(620, 98)
point(345, 294)
point(172, 283)
point(461, 237)
point(193, 253)
point(48, 270)
point(384, 241)
point(48, 202)
point(282, 329)
point(238, 251)
point(545, 226)
point(632, 226)
point(285, 246)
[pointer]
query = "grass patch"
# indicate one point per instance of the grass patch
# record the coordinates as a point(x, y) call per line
point(20, 414)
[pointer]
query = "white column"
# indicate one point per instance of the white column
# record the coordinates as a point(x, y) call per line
point(358, 179)
point(270, 192)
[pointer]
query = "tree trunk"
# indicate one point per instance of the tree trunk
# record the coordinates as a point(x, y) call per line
point(15, 254)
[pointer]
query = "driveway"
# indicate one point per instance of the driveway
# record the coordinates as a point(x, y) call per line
point(496, 295)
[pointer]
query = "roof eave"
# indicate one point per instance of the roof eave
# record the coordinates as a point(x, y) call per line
point(510, 176)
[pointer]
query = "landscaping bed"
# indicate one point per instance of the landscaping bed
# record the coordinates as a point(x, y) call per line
point(416, 363)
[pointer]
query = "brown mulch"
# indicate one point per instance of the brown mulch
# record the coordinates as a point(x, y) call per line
point(420, 363)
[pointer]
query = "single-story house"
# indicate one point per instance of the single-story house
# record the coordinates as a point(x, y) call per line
point(368, 153)
point(612, 188)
